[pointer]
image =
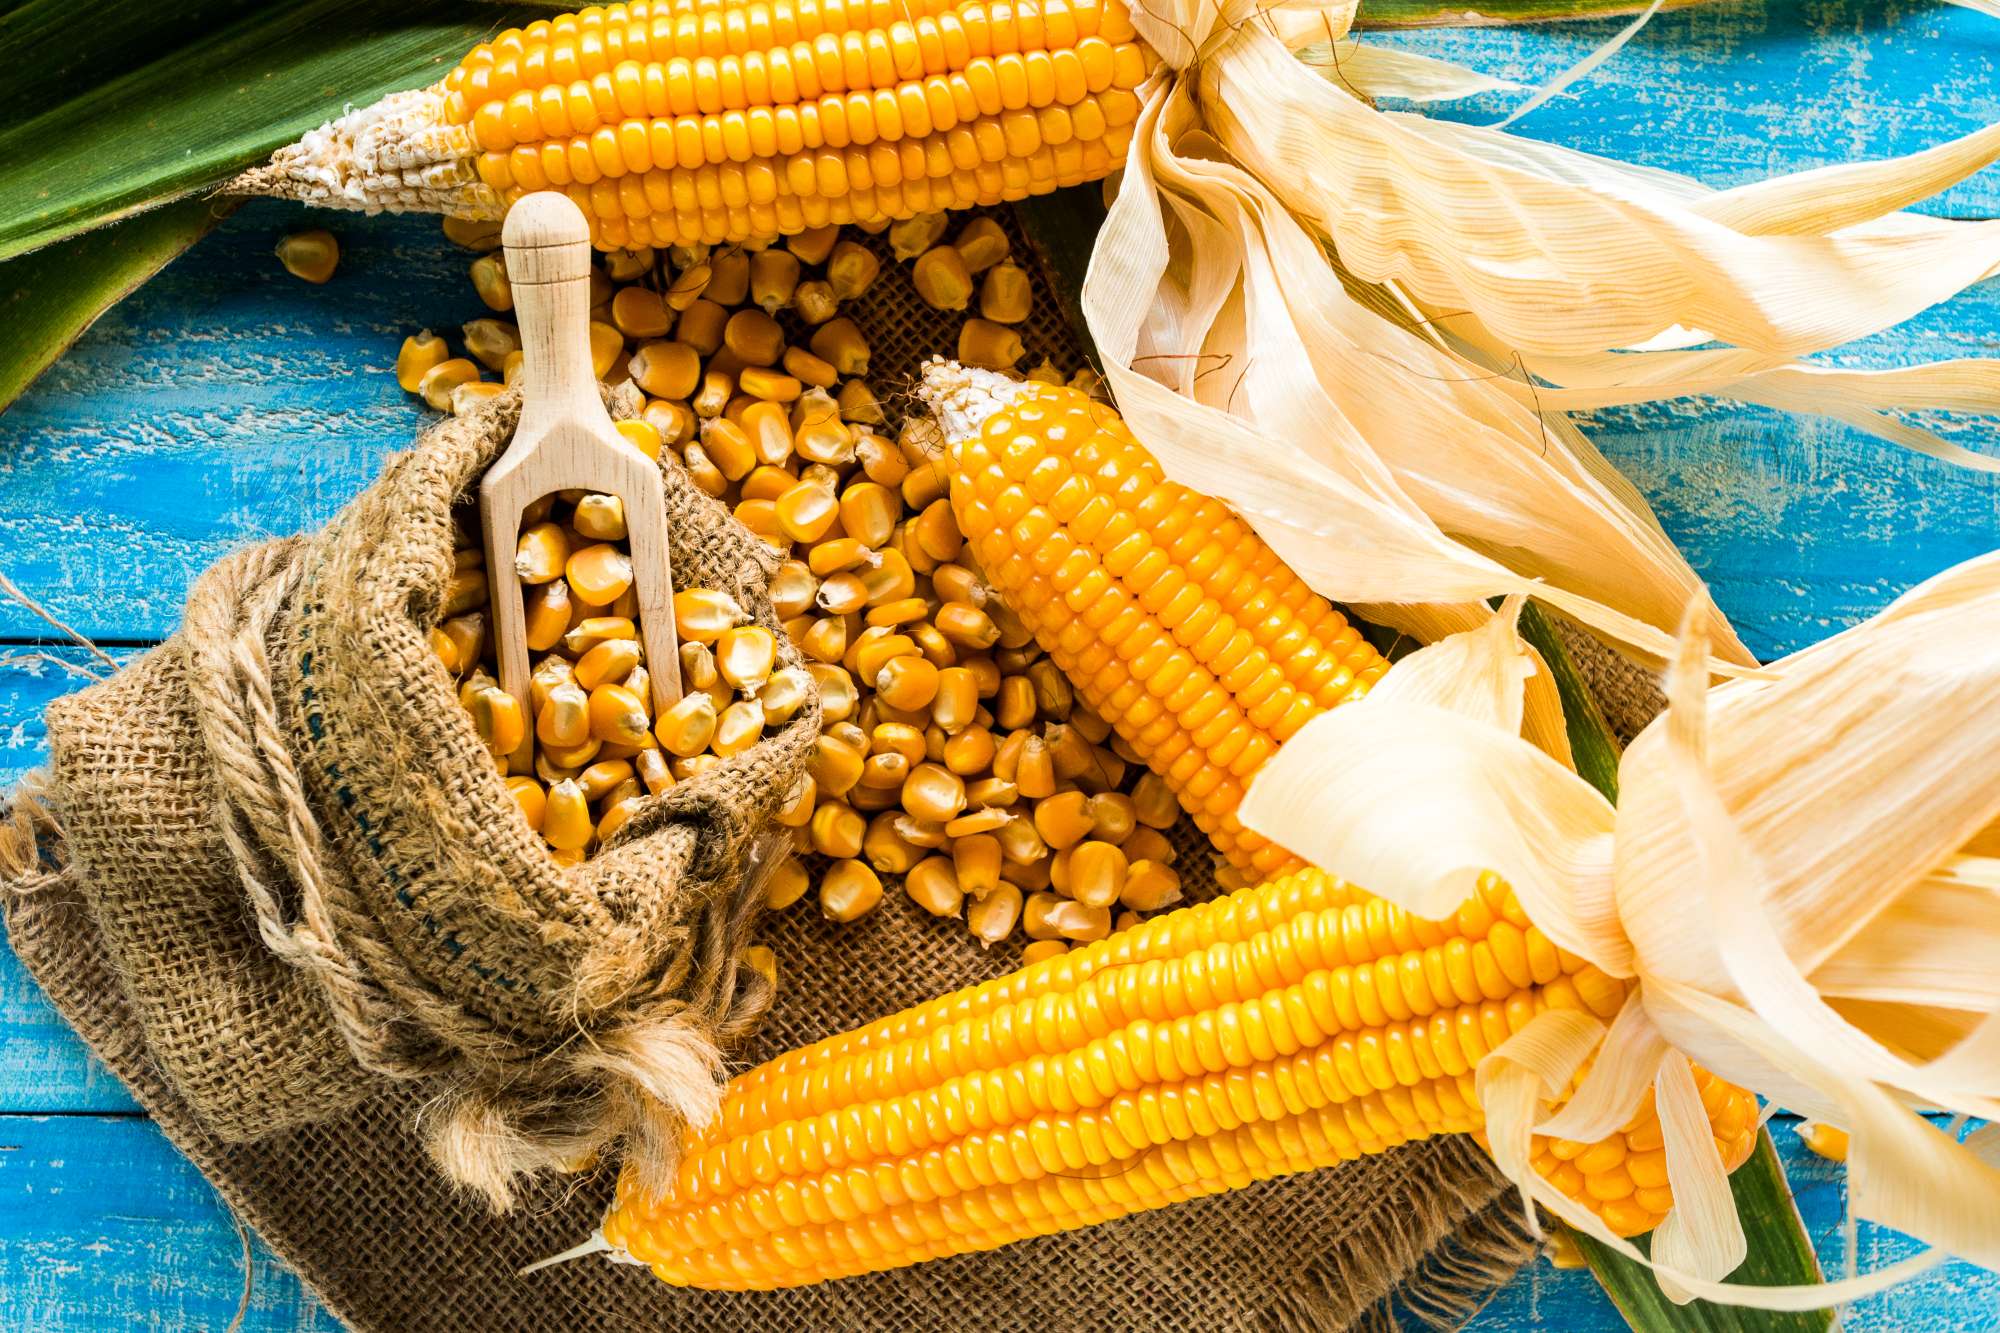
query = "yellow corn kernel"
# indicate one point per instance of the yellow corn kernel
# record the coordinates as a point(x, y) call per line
point(1063, 819)
point(941, 279)
point(814, 302)
point(587, 631)
point(1046, 373)
point(718, 387)
point(638, 312)
point(600, 518)
point(838, 698)
point(420, 352)
point(491, 341)
point(851, 270)
point(798, 808)
point(615, 814)
point(628, 264)
point(913, 236)
point(932, 884)
point(774, 277)
point(700, 326)
point(835, 765)
point(988, 345)
point(1828, 1141)
point(933, 792)
point(604, 777)
point(666, 369)
point(500, 721)
point(769, 385)
point(459, 641)
point(618, 717)
point(838, 830)
point(489, 279)
point(1005, 296)
point(784, 693)
point(311, 255)
point(701, 615)
point(607, 344)
point(728, 277)
point(1149, 886)
point(565, 719)
point(566, 823)
point(754, 337)
point(868, 513)
point(642, 435)
point(532, 798)
point(840, 344)
point(788, 884)
point(1097, 872)
point(981, 243)
point(740, 727)
point(437, 384)
point(689, 285)
point(806, 511)
point(908, 681)
point(468, 398)
point(813, 245)
point(472, 233)
point(992, 917)
point(1040, 951)
point(599, 573)
point(744, 654)
point(848, 891)
point(792, 589)
point(808, 369)
point(688, 726)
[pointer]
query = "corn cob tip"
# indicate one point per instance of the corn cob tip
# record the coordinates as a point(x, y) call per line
point(401, 154)
point(961, 398)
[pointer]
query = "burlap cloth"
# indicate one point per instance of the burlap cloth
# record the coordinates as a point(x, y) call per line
point(145, 936)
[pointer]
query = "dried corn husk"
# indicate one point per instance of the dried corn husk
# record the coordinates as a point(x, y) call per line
point(1802, 873)
point(1391, 420)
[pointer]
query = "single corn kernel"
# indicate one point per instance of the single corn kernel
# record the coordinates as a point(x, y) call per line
point(465, 591)
point(491, 341)
point(740, 727)
point(792, 589)
point(1154, 802)
point(908, 682)
point(992, 917)
point(688, 726)
point(840, 344)
point(815, 302)
point(848, 891)
point(700, 327)
point(868, 513)
point(813, 245)
point(933, 792)
point(591, 630)
point(851, 270)
point(728, 277)
point(988, 345)
point(788, 884)
point(835, 765)
point(437, 384)
point(858, 404)
point(599, 573)
point(688, 286)
point(618, 717)
point(1063, 819)
point(473, 233)
point(887, 850)
point(1096, 873)
point(913, 236)
point(754, 337)
point(532, 798)
point(703, 614)
point(468, 398)
point(982, 244)
point(838, 698)
point(941, 279)
point(489, 279)
point(806, 511)
point(728, 447)
point(977, 860)
point(641, 435)
point(1149, 886)
point(607, 344)
point(310, 255)
point(566, 823)
point(785, 693)
point(745, 655)
point(604, 777)
point(933, 885)
point(1046, 373)
point(499, 719)
point(769, 385)
point(459, 640)
point(629, 265)
point(774, 276)
point(420, 352)
point(718, 387)
point(808, 369)
point(600, 518)
point(565, 719)
point(1040, 951)
point(1005, 296)
point(970, 627)
point(1828, 1141)
point(666, 369)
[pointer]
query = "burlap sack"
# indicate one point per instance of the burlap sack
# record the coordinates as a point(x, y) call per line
point(135, 904)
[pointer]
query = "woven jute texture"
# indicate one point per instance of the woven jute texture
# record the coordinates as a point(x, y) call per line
point(140, 927)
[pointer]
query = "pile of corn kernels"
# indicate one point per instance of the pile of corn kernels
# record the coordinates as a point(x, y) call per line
point(954, 754)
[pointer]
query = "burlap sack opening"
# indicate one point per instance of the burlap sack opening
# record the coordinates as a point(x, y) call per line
point(353, 1202)
point(310, 879)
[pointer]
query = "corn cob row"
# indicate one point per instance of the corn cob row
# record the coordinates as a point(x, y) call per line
point(1288, 1026)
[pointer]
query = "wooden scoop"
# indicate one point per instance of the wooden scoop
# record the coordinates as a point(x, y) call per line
point(566, 441)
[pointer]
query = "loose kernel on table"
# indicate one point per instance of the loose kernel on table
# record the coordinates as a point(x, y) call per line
point(311, 255)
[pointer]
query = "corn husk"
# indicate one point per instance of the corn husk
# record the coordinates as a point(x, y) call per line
point(1362, 328)
point(1802, 874)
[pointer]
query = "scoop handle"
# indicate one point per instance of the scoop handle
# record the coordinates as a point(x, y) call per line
point(548, 265)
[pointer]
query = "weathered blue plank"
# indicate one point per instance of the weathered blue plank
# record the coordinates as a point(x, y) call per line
point(43, 1066)
point(104, 1225)
point(1730, 92)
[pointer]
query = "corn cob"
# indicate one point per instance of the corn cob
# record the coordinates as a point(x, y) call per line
point(1289, 1026)
point(1172, 619)
point(671, 122)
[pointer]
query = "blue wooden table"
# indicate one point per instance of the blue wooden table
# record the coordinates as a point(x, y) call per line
point(227, 402)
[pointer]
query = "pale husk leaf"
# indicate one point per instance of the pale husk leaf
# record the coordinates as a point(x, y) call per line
point(1798, 875)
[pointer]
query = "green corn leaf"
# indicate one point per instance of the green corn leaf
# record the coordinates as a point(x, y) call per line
point(47, 299)
point(211, 100)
